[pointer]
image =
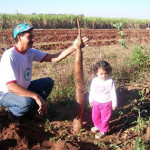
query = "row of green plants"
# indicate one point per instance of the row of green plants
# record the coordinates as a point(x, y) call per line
point(50, 21)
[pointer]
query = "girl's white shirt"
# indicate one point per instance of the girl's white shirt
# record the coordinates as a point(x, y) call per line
point(103, 91)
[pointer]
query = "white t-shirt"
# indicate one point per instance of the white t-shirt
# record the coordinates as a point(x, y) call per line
point(17, 67)
point(103, 91)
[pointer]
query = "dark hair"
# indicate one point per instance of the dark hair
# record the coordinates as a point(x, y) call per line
point(20, 34)
point(103, 65)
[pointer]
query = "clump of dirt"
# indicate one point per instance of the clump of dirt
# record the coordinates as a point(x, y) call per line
point(29, 135)
point(10, 138)
point(23, 135)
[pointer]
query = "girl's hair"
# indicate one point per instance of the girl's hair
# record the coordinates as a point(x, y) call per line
point(103, 65)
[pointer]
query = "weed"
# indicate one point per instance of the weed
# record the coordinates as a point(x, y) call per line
point(138, 58)
point(142, 94)
point(48, 127)
point(141, 122)
point(100, 144)
point(120, 111)
point(139, 145)
point(114, 146)
point(82, 130)
point(118, 26)
point(80, 134)
point(92, 136)
point(53, 139)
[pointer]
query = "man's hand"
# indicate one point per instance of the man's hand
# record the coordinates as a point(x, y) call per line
point(42, 105)
point(83, 44)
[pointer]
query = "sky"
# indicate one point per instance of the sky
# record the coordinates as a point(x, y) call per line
point(136, 9)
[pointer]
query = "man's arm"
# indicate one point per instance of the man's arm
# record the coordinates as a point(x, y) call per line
point(61, 55)
point(21, 91)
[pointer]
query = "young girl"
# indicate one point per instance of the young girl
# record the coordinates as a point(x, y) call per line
point(102, 98)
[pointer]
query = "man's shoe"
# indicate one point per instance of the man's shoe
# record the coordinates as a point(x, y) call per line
point(3, 112)
point(12, 118)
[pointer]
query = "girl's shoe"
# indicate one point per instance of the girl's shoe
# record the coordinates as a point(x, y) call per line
point(94, 129)
point(99, 135)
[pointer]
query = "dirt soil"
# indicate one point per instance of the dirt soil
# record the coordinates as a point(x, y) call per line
point(54, 132)
point(59, 39)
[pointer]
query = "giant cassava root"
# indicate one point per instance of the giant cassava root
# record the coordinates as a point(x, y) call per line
point(79, 87)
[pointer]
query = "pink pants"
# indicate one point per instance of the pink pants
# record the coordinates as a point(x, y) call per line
point(101, 113)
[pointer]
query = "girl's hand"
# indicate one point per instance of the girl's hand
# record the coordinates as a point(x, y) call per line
point(114, 107)
point(91, 104)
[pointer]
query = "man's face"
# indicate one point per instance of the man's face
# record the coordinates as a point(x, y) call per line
point(27, 39)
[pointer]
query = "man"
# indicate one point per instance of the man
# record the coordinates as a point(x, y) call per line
point(18, 93)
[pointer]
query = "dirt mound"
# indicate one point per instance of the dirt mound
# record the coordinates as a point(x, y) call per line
point(23, 136)
point(11, 138)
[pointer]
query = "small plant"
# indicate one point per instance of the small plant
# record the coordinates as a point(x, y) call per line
point(53, 139)
point(118, 26)
point(138, 58)
point(48, 127)
point(139, 145)
point(100, 144)
point(114, 146)
point(80, 134)
point(120, 111)
point(141, 122)
point(143, 97)
point(67, 138)
point(91, 135)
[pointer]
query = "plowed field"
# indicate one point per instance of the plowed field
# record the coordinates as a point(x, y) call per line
point(54, 135)
point(60, 39)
